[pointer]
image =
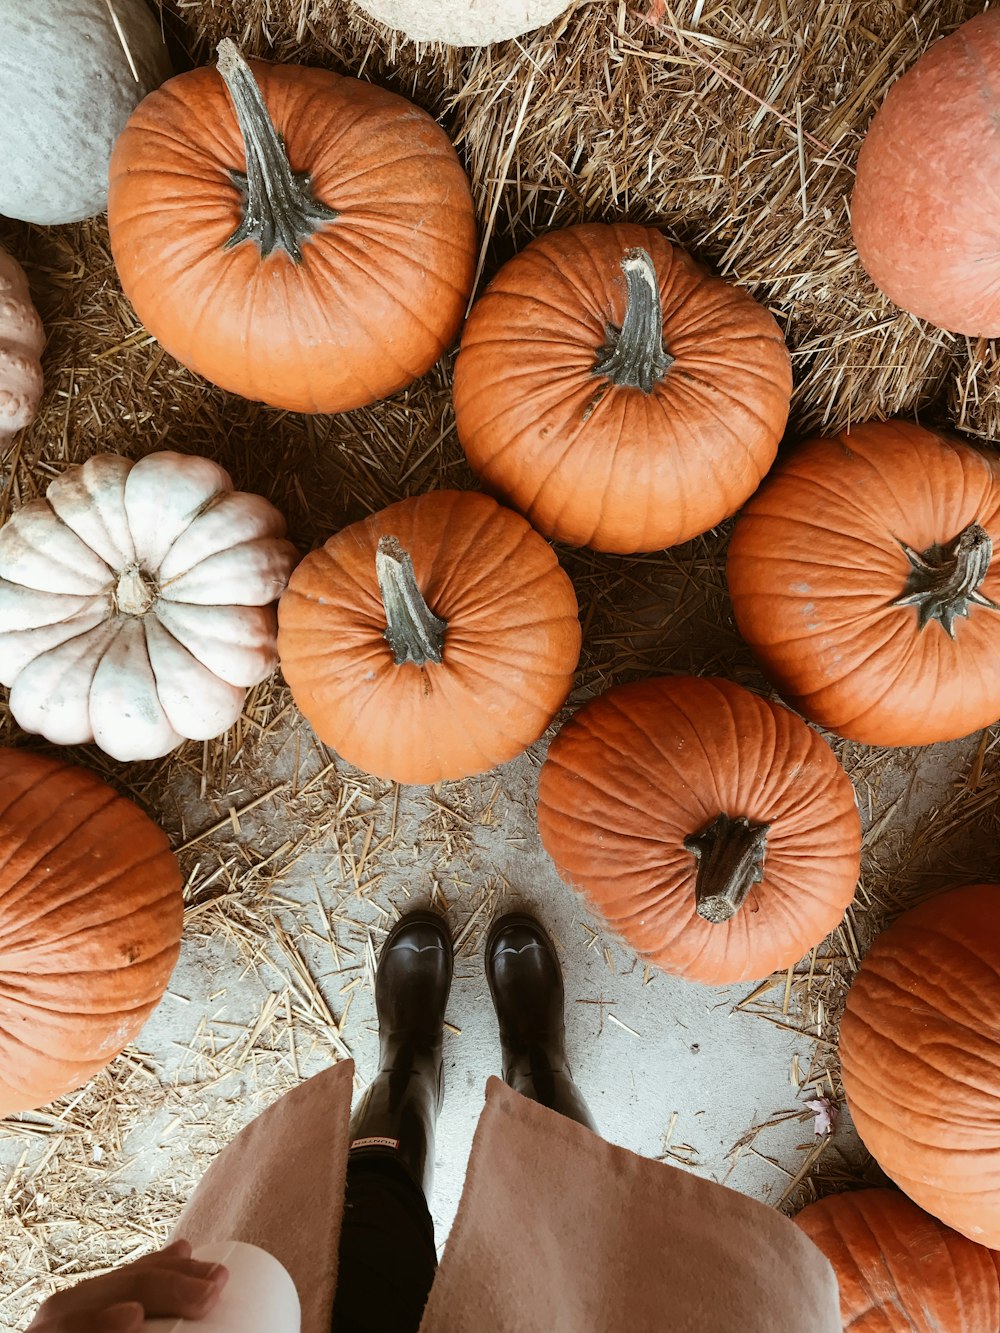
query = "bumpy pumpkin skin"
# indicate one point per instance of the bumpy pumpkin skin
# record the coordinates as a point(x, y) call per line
point(137, 603)
point(816, 561)
point(91, 913)
point(643, 767)
point(920, 1057)
point(66, 91)
point(605, 465)
point(923, 210)
point(380, 291)
point(21, 341)
point(901, 1271)
point(510, 649)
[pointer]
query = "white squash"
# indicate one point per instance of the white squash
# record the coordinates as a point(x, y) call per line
point(71, 74)
point(136, 603)
point(21, 341)
point(463, 22)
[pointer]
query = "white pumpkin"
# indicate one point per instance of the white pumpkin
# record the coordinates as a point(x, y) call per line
point(136, 603)
point(71, 74)
point(463, 22)
point(21, 341)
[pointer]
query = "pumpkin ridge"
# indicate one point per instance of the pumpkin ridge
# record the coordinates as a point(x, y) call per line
point(95, 884)
point(68, 836)
point(345, 253)
point(896, 982)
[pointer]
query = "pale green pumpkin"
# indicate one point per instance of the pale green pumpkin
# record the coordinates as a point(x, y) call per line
point(71, 73)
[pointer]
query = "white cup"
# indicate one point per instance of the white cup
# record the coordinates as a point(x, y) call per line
point(260, 1296)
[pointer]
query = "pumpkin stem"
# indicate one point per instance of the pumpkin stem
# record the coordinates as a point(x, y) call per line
point(634, 356)
point(944, 580)
point(730, 856)
point(133, 595)
point(413, 631)
point(279, 207)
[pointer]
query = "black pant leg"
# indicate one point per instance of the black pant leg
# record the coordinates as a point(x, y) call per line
point(387, 1255)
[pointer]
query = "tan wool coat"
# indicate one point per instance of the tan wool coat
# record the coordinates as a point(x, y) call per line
point(557, 1231)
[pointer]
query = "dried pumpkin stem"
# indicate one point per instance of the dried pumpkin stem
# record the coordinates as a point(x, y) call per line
point(944, 580)
point(133, 595)
point(279, 207)
point(413, 631)
point(730, 856)
point(634, 355)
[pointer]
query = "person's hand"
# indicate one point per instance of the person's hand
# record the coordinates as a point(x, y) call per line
point(163, 1284)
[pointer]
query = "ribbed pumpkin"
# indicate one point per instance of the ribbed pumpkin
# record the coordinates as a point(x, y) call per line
point(91, 913)
point(21, 341)
point(862, 574)
point(924, 205)
point(920, 1056)
point(617, 394)
point(136, 603)
point(433, 640)
point(294, 236)
point(712, 830)
point(901, 1271)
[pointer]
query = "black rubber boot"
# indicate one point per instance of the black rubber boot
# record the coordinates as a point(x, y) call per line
point(527, 989)
point(398, 1109)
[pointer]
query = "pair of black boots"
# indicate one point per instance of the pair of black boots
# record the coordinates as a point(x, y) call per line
point(398, 1110)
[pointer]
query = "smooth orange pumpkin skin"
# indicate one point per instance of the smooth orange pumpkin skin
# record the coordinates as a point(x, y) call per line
point(91, 913)
point(920, 1057)
point(899, 1269)
point(380, 292)
point(924, 210)
point(815, 561)
point(643, 766)
point(510, 651)
point(631, 472)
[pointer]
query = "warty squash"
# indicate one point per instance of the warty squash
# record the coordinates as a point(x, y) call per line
point(21, 341)
point(923, 210)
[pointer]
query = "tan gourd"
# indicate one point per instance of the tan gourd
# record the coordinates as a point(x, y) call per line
point(21, 341)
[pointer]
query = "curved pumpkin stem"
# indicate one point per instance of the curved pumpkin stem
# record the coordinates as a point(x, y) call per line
point(634, 356)
point(279, 207)
point(730, 856)
point(944, 580)
point(413, 631)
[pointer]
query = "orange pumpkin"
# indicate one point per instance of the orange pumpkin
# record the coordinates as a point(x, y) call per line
point(433, 640)
point(901, 1271)
point(923, 210)
point(920, 1057)
point(294, 236)
point(617, 394)
point(713, 830)
point(91, 912)
point(862, 575)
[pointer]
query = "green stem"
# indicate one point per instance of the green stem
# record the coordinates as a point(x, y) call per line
point(634, 356)
point(412, 631)
point(279, 207)
point(944, 580)
point(730, 856)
